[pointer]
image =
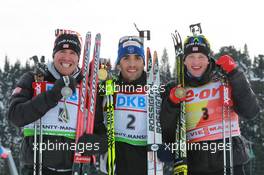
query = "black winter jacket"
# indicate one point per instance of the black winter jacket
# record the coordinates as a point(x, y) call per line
point(245, 105)
point(25, 109)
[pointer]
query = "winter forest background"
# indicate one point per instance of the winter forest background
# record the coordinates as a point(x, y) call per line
point(253, 130)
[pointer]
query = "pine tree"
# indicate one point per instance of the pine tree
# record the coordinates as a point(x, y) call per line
point(245, 56)
point(258, 66)
point(10, 136)
point(165, 74)
point(261, 66)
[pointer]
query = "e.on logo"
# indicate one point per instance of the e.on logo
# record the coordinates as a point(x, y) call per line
point(212, 91)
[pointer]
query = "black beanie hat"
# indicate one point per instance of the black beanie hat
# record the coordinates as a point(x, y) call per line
point(67, 41)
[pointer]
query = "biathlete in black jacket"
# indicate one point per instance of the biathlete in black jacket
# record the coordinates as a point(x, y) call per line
point(26, 107)
point(204, 109)
point(129, 108)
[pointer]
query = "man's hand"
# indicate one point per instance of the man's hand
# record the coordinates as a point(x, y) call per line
point(227, 63)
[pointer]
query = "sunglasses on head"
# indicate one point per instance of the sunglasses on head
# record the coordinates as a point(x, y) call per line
point(131, 38)
point(196, 40)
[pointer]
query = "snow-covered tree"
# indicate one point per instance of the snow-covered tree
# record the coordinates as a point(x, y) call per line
point(9, 134)
point(165, 74)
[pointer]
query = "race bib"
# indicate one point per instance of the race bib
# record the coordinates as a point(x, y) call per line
point(130, 119)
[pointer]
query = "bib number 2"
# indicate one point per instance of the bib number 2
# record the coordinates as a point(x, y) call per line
point(131, 122)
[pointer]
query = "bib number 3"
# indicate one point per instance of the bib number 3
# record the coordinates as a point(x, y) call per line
point(205, 113)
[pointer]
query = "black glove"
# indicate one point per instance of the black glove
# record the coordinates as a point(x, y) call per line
point(92, 144)
point(165, 154)
point(168, 87)
point(55, 92)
